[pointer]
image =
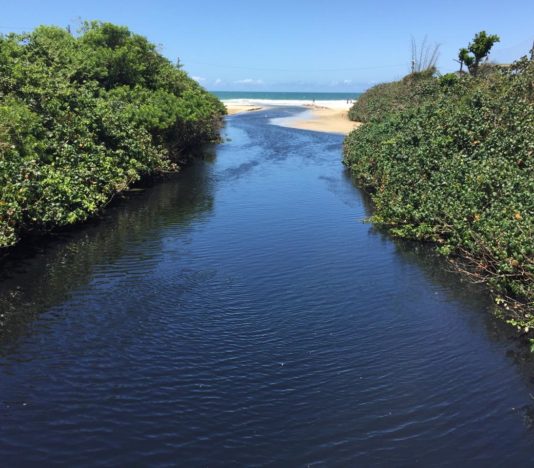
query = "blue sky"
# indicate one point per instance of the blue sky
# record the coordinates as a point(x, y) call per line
point(295, 45)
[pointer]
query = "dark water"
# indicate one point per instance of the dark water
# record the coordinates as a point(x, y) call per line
point(242, 314)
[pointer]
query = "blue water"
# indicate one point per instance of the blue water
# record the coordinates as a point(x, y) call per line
point(243, 314)
point(301, 96)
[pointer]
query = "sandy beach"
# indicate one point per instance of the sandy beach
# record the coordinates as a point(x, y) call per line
point(324, 116)
point(323, 119)
point(238, 108)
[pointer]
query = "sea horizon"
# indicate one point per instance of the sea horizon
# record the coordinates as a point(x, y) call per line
point(286, 95)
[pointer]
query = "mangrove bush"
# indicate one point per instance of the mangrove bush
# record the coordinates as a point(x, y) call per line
point(82, 117)
point(456, 167)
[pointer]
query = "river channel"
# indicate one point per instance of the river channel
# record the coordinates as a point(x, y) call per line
point(243, 313)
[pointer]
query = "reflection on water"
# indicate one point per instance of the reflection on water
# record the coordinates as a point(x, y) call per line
point(243, 313)
point(39, 275)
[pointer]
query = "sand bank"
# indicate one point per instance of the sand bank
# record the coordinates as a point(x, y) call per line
point(237, 108)
point(321, 119)
point(319, 116)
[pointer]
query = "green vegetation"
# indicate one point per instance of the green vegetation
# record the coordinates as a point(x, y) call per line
point(83, 117)
point(480, 48)
point(452, 162)
point(383, 99)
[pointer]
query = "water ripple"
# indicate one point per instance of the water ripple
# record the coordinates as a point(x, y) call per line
point(242, 314)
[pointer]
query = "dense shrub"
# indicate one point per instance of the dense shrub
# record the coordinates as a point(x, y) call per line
point(458, 170)
point(380, 100)
point(83, 117)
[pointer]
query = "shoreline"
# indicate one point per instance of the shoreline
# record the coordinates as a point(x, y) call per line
point(233, 109)
point(322, 119)
point(323, 116)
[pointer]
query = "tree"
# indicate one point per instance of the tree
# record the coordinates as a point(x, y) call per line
point(464, 58)
point(479, 48)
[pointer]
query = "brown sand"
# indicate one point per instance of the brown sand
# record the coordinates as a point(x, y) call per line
point(237, 108)
point(323, 119)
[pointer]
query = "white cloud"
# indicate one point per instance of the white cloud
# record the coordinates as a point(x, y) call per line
point(200, 79)
point(218, 81)
point(249, 81)
point(347, 81)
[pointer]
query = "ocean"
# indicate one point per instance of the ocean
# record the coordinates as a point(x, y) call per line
point(285, 96)
point(267, 98)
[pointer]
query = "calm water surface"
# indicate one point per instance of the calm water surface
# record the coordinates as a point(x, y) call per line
point(242, 313)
